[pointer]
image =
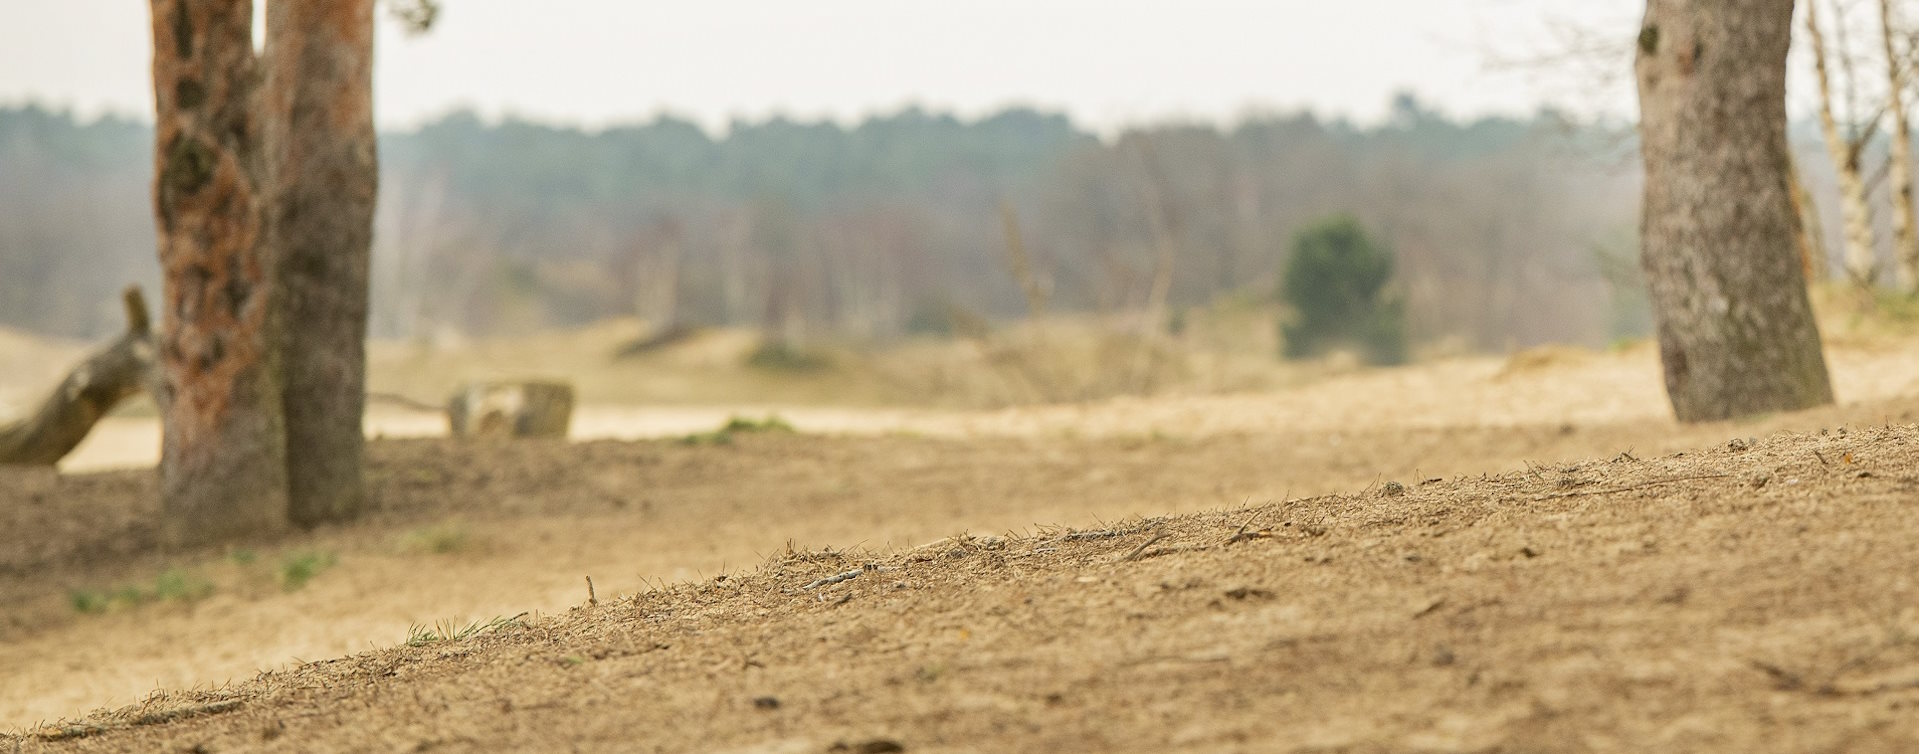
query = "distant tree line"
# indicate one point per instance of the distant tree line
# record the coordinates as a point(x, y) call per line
point(1504, 232)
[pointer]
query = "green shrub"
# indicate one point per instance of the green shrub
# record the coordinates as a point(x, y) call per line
point(1336, 284)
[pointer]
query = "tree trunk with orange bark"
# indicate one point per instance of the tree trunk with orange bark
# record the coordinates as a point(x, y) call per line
point(1718, 230)
point(264, 196)
point(223, 458)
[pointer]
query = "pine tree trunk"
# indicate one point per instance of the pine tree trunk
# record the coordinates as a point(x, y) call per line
point(320, 110)
point(1718, 230)
point(223, 454)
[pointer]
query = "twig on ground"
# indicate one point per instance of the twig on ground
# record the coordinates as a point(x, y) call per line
point(1137, 551)
point(1081, 536)
point(592, 599)
point(1653, 483)
point(1241, 534)
point(158, 717)
point(834, 579)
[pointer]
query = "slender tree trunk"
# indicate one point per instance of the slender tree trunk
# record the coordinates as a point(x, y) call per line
point(1813, 243)
point(1906, 237)
point(325, 176)
point(1717, 229)
point(1855, 215)
point(1019, 263)
point(223, 454)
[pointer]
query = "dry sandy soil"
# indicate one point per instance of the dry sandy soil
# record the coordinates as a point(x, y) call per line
point(1515, 554)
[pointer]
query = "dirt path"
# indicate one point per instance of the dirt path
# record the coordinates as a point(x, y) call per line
point(1745, 597)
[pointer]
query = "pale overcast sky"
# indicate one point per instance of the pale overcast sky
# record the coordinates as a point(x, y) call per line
point(1105, 62)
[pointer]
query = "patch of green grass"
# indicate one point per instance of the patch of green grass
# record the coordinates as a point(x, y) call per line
point(178, 585)
point(779, 357)
point(243, 556)
point(90, 601)
point(450, 630)
point(296, 569)
point(1895, 306)
point(773, 423)
point(737, 425)
point(443, 539)
point(172, 585)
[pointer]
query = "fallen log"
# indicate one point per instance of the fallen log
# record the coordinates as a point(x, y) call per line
point(92, 389)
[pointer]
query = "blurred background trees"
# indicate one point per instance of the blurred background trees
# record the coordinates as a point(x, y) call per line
point(1507, 233)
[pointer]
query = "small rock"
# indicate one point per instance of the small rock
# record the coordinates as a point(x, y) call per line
point(1737, 445)
point(1530, 551)
point(1393, 489)
point(766, 702)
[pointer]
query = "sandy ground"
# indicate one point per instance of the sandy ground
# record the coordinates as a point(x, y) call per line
point(1547, 385)
point(1744, 597)
point(1680, 600)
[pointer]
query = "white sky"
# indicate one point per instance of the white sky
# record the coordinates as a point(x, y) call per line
point(1107, 63)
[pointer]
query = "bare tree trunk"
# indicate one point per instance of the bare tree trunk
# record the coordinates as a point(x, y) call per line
point(1813, 243)
point(1906, 237)
point(1163, 223)
point(223, 453)
point(109, 376)
point(1717, 232)
point(325, 178)
point(1020, 264)
point(1844, 151)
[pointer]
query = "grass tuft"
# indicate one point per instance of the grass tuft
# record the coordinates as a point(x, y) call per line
point(451, 630)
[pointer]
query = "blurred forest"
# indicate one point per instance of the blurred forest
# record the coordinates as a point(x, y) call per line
point(1507, 233)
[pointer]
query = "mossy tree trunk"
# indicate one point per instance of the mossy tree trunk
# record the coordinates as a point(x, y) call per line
point(1718, 230)
point(319, 107)
point(223, 451)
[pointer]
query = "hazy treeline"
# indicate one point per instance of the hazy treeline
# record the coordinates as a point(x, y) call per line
point(896, 224)
point(1504, 229)
point(1507, 232)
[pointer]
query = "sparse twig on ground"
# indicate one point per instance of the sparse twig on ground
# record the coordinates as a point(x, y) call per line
point(156, 717)
point(1241, 534)
point(1626, 488)
point(1138, 551)
point(834, 579)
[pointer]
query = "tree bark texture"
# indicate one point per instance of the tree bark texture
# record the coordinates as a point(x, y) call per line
point(109, 376)
point(324, 176)
point(1718, 230)
point(223, 451)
